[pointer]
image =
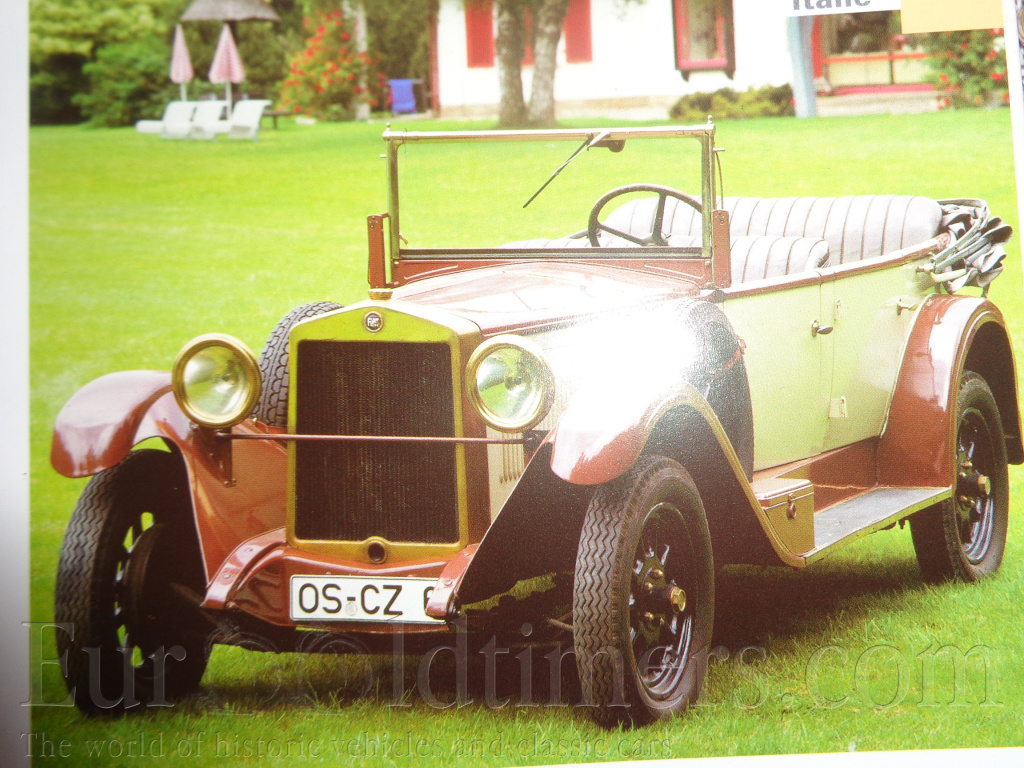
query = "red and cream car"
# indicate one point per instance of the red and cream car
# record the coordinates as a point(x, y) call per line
point(575, 431)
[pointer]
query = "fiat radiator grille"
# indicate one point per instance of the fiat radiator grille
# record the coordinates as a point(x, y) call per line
point(402, 492)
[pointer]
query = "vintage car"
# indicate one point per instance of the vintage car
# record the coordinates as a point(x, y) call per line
point(554, 440)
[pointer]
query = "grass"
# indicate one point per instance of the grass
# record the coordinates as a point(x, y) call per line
point(138, 245)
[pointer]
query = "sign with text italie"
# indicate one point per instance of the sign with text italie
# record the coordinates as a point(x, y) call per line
point(821, 7)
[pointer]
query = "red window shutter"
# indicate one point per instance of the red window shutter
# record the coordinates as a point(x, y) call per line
point(479, 33)
point(577, 32)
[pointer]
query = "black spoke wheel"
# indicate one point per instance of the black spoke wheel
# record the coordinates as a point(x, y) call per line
point(129, 562)
point(643, 600)
point(963, 538)
point(657, 235)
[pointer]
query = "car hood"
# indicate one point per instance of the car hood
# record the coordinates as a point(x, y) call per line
point(516, 297)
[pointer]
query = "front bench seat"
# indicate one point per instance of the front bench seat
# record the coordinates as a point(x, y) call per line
point(855, 227)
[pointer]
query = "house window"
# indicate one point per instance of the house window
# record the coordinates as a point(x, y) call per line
point(704, 36)
point(577, 32)
point(479, 33)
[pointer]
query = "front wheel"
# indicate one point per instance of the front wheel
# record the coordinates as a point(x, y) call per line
point(131, 636)
point(963, 538)
point(643, 599)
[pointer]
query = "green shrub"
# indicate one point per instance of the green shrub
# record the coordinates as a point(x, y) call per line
point(53, 82)
point(728, 104)
point(127, 81)
point(968, 67)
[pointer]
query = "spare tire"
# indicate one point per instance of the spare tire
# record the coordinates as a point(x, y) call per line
point(272, 407)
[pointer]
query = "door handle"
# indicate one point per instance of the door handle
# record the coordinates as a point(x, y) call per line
point(817, 329)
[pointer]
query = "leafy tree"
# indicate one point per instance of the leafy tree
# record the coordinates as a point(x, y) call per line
point(399, 32)
point(127, 81)
point(64, 35)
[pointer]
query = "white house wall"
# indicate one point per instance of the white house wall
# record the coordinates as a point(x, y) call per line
point(633, 59)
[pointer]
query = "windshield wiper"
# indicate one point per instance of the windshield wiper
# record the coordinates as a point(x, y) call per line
point(597, 140)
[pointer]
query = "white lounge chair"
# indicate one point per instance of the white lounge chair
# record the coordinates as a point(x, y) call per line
point(245, 119)
point(207, 121)
point(175, 122)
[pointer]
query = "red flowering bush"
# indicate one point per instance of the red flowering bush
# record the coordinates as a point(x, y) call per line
point(969, 67)
point(326, 78)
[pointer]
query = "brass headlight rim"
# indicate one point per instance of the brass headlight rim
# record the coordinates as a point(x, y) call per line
point(547, 383)
point(250, 366)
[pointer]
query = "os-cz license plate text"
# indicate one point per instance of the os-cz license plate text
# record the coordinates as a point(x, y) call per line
point(357, 598)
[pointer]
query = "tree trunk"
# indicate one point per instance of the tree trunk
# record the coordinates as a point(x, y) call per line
point(549, 16)
point(362, 105)
point(510, 45)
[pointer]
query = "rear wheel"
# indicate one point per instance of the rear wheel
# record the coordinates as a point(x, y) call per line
point(272, 407)
point(129, 560)
point(643, 600)
point(963, 538)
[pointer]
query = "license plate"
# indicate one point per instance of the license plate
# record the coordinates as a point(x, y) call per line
point(357, 598)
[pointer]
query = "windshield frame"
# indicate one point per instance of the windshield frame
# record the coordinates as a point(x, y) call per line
point(704, 134)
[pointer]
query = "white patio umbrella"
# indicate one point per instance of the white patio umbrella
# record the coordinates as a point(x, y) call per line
point(227, 64)
point(181, 63)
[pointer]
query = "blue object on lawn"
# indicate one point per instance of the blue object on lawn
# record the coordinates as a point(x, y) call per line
point(403, 100)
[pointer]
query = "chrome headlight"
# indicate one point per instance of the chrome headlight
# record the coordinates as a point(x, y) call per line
point(510, 383)
point(216, 380)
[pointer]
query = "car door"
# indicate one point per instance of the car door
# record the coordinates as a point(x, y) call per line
point(789, 365)
point(873, 314)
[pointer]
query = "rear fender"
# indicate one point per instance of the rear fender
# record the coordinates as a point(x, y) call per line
point(951, 334)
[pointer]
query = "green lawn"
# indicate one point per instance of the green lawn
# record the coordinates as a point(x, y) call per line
point(138, 245)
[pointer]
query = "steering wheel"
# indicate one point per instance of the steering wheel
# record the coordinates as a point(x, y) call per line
point(656, 237)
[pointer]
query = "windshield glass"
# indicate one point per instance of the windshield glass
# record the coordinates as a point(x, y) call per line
point(466, 194)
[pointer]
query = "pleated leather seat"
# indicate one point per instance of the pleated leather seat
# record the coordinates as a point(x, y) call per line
point(760, 257)
point(853, 227)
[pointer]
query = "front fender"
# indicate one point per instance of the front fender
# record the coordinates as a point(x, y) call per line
point(597, 441)
point(100, 423)
point(599, 437)
point(238, 491)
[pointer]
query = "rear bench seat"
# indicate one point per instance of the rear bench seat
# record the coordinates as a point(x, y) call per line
point(783, 236)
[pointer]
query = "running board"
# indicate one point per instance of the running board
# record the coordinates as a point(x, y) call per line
point(867, 513)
